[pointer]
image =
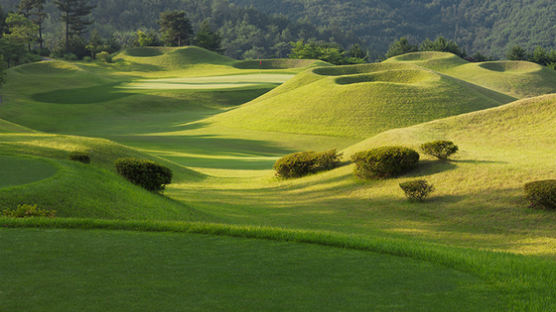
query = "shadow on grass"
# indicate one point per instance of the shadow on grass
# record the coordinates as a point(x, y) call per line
point(96, 94)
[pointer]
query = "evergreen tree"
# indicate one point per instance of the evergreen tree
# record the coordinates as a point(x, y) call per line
point(400, 47)
point(517, 53)
point(34, 10)
point(175, 28)
point(74, 14)
point(208, 39)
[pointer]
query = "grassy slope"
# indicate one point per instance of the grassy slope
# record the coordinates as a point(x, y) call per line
point(108, 270)
point(515, 78)
point(479, 201)
point(470, 208)
point(359, 101)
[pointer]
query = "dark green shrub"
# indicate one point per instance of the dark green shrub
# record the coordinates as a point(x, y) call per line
point(417, 190)
point(541, 194)
point(440, 149)
point(144, 173)
point(104, 57)
point(303, 163)
point(80, 156)
point(26, 211)
point(385, 162)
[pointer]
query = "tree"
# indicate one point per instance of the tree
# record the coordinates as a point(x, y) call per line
point(517, 53)
point(540, 56)
point(441, 45)
point(400, 47)
point(74, 14)
point(95, 45)
point(175, 28)
point(21, 29)
point(356, 51)
point(208, 39)
point(34, 10)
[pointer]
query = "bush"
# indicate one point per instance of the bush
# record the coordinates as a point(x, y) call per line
point(541, 194)
point(440, 149)
point(417, 190)
point(70, 57)
point(385, 162)
point(104, 57)
point(87, 59)
point(144, 173)
point(26, 211)
point(80, 156)
point(303, 163)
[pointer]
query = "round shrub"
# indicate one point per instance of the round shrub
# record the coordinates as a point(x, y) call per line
point(541, 194)
point(104, 57)
point(417, 190)
point(385, 162)
point(144, 173)
point(303, 163)
point(440, 149)
point(80, 156)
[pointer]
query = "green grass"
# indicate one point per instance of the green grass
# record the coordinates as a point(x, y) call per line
point(360, 101)
point(109, 270)
point(518, 79)
point(222, 150)
point(17, 170)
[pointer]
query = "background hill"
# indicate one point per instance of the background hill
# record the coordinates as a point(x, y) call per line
point(264, 28)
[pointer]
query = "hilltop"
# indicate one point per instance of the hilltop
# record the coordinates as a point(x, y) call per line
point(361, 100)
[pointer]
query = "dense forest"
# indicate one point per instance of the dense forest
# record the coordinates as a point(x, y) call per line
point(490, 27)
point(267, 28)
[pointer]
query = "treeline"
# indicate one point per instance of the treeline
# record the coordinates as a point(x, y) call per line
point(539, 55)
point(243, 32)
point(490, 27)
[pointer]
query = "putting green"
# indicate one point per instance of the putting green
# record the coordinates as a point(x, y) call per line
point(211, 82)
point(17, 171)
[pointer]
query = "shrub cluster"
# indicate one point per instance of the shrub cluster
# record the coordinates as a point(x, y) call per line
point(385, 162)
point(26, 211)
point(440, 149)
point(303, 163)
point(417, 190)
point(80, 156)
point(541, 194)
point(144, 173)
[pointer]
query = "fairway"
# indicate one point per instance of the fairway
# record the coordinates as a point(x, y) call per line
point(17, 170)
point(100, 270)
point(328, 241)
point(211, 82)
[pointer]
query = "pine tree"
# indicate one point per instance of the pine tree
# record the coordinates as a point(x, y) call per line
point(75, 17)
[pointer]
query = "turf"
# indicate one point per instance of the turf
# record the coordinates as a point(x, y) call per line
point(17, 170)
point(109, 270)
point(518, 79)
point(222, 150)
point(360, 101)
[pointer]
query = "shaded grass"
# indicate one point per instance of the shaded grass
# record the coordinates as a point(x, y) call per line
point(175, 272)
point(18, 170)
point(527, 281)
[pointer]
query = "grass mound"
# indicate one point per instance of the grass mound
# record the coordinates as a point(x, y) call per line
point(518, 79)
point(164, 58)
point(511, 66)
point(359, 101)
point(278, 64)
point(395, 75)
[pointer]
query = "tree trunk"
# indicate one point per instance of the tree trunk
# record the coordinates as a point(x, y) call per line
point(67, 32)
point(40, 37)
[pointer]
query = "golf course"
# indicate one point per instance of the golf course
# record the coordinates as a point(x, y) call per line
point(228, 234)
